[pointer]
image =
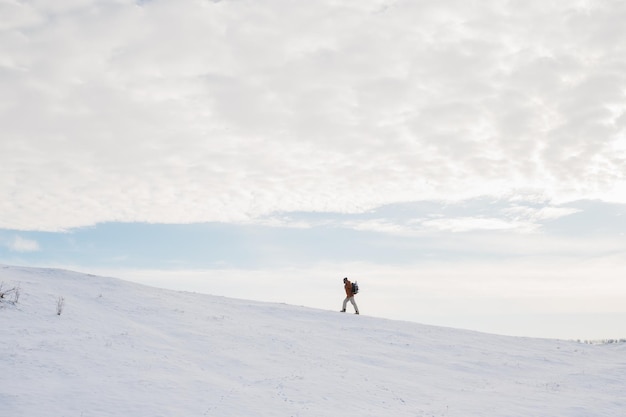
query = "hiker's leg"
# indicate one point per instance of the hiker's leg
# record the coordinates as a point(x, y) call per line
point(356, 309)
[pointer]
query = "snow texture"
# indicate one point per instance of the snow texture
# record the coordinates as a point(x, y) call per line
point(122, 349)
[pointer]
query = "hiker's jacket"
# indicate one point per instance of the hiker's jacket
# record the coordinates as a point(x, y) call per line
point(348, 287)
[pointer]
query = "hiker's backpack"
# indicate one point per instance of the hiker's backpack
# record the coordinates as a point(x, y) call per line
point(355, 288)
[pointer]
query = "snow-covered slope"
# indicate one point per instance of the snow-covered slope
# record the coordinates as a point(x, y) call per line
point(121, 349)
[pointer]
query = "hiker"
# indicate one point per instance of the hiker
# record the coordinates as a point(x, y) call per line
point(349, 296)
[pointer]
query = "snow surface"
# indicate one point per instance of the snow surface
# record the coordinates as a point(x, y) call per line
point(122, 349)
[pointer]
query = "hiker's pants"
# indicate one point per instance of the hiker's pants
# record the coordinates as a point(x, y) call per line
point(345, 302)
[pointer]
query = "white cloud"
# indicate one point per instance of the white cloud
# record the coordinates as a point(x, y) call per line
point(535, 214)
point(380, 226)
point(199, 111)
point(466, 224)
point(20, 244)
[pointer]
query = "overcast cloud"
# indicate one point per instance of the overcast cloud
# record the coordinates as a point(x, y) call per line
point(189, 111)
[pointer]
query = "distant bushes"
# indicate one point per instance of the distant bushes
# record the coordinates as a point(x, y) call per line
point(602, 341)
point(11, 295)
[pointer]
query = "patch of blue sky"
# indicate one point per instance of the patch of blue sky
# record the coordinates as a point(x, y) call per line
point(144, 245)
point(328, 238)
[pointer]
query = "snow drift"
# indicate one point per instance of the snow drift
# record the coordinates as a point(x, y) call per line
point(122, 349)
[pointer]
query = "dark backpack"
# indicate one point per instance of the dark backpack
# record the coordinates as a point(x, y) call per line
point(355, 288)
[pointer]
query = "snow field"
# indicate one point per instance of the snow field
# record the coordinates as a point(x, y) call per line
point(120, 349)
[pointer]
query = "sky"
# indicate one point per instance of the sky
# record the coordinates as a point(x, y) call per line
point(464, 161)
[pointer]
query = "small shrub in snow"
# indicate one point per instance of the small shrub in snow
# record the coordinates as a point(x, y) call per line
point(60, 305)
point(11, 295)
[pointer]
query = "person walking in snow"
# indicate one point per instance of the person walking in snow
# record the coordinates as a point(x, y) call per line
point(349, 296)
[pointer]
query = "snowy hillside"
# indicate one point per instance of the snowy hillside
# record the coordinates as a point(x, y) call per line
point(121, 349)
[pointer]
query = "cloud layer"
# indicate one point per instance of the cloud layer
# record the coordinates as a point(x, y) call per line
point(179, 112)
